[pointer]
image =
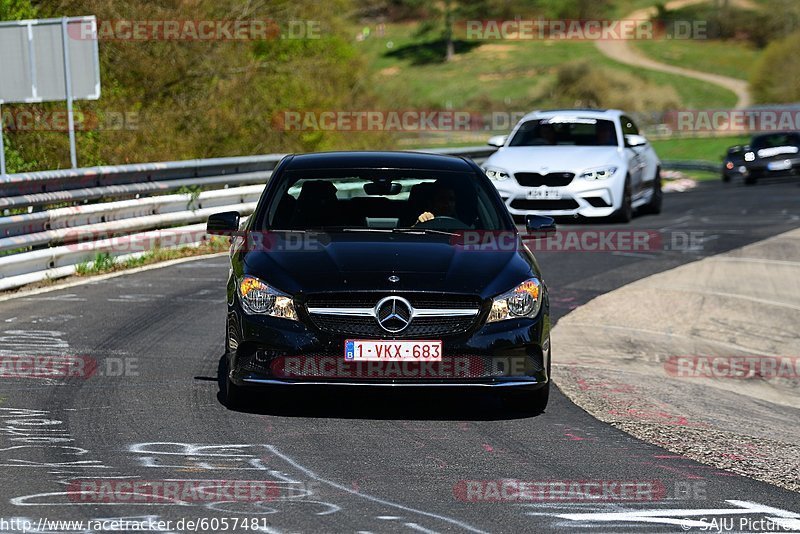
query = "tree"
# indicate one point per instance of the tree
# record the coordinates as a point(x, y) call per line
point(442, 17)
point(16, 10)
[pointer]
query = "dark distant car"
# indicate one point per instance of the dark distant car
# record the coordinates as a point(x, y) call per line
point(384, 269)
point(733, 166)
point(773, 154)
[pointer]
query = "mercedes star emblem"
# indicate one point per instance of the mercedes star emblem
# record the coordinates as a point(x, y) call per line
point(393, 314)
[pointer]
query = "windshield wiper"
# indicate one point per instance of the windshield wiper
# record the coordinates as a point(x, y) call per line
point(422, 231)
point(362, 230)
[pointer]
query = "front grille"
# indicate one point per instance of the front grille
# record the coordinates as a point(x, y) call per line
point(535, 179)
point(368, 327)
point(564, 204)
point(368, 300)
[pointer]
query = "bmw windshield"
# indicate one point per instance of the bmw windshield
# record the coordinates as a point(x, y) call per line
point(557, 131)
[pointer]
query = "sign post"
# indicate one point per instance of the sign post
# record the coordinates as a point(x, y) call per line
point(68, 83)
point(2, 146)
point(49, 60)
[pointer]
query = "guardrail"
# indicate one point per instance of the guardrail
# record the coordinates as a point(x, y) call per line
point(698, 165)
point(137, 209)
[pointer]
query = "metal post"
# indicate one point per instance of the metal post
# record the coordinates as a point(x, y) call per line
point(68, 81)
point(2, 146)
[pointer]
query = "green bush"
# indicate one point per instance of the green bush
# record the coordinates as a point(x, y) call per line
point(16, 10)
point(582, 84)
point(776, 77)
point(759, 24)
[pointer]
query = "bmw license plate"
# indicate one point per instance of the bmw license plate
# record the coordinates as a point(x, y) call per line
point(779, 165)
point(366, 350)
point(544, 193)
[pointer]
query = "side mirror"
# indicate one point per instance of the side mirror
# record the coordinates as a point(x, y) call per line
point(540, 226)
point(225, 223)
point(497, 140)
point(632, 141)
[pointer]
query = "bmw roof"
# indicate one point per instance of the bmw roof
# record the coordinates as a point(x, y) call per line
point(587, 113)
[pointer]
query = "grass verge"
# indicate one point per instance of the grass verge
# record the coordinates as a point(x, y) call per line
point(697, 148)
point(727, 58)
point(105, 263)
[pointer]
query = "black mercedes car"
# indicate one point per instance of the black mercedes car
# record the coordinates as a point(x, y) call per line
point(384, 269)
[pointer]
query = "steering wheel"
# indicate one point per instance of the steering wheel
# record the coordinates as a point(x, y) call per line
point(443, 222)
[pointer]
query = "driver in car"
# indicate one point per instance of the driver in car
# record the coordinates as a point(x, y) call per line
point(443, 204)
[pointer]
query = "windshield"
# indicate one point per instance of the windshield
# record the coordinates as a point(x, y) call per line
point(382, 200)
point(557, 131)
point(776, 140)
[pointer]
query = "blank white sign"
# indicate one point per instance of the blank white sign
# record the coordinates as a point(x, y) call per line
point(32, 60)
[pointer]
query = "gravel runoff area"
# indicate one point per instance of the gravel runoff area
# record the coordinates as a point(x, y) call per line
point(650, 358)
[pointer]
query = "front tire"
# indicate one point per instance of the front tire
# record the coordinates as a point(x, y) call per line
point(656, 201)
point(530, 401)
point(625, 213)
point(234, 395)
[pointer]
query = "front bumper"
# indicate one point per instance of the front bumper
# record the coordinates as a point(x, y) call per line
point(580, 197)
point(271, 351)
point(774, 167)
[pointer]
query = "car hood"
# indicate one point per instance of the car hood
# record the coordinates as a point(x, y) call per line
point(546, 159)
point(364, 262)
point(778, 153)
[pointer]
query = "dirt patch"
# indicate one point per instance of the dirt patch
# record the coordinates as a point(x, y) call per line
point(499, 51)
point(494, 76)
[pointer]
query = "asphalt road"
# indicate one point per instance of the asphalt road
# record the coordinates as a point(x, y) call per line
point(344, 461)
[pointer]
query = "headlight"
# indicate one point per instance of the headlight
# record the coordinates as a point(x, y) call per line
point(599, 174)
point(258, 298)
point(749, 156)
point(525, 300)
point(497, 175)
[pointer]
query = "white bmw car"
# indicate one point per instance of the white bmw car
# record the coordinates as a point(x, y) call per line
point(592, 163)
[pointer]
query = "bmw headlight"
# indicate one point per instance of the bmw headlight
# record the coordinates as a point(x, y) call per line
point(260, 299)
point(525, 300)
point(601, 173)
point(498, 175)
